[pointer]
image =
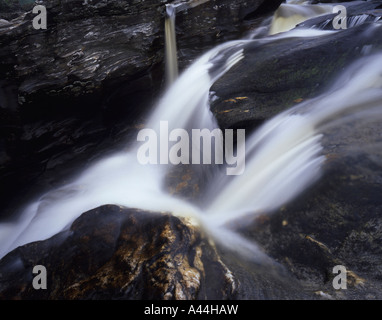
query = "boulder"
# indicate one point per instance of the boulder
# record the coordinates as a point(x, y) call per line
point(118, 253)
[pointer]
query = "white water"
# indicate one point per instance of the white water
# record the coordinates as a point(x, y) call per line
point(283, 157)
point(120, 179)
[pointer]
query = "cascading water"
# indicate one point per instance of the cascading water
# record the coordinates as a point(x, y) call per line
point(170, 40)
point(282, 158)
point(285, 154)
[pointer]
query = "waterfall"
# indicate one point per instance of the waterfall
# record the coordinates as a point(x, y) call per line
point(170, 42)
point(120, 179)
point(283, 157)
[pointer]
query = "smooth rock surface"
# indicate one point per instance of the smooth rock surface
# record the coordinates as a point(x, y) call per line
point(117, 253)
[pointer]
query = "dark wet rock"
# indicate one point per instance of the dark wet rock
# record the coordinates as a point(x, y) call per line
point(215, 22)
point(331, 227)
point(336, 222)
point(89, 46)
point(118, 253)
point(10, 9)
point(275, 76)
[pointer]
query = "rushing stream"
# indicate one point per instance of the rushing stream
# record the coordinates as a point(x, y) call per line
point(282, 158)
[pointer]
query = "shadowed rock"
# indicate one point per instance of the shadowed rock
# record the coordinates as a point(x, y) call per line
point(117, 253)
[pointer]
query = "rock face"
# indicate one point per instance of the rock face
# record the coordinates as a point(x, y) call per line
point(11, 9)
point(117, 253)
point(91, 46)
point(337, 222)
point(95, 71)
